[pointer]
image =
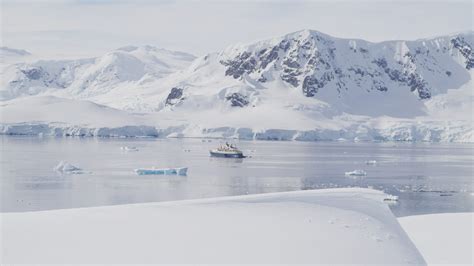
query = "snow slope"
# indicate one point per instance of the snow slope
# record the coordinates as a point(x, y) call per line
point(348, 226)
point(443, 239)
point(84, 78)
point(51, 115)
point(304, 85)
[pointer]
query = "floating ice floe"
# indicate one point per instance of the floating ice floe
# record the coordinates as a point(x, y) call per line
point(357, 172)
point(162, 171)
point(67, 168)
point(129, 148)
point(389, 197)
point(371, 162)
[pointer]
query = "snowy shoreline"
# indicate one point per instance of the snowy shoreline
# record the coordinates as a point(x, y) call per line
point(407, 133)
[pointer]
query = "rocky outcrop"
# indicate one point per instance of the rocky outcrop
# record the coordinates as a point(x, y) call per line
point(237, 100)
point(244, 63)
point(33, 73)
point(465, 49)
point(413, 80)
point(175, 96)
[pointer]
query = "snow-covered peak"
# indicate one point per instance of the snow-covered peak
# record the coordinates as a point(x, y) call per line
point(128, 48)
point(310, 68)
point(6, 51)
point(160, 53)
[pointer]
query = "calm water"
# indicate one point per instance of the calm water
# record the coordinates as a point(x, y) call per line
point(428, 178)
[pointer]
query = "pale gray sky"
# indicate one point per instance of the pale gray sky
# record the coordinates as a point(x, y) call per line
point(92, 27)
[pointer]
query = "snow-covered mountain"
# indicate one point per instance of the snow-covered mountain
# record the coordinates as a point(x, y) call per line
point(304, 85)
point(84, 78)
point(392, 78)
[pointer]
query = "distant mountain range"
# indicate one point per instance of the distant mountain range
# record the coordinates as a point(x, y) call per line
point(306, 80)
point(6, 51)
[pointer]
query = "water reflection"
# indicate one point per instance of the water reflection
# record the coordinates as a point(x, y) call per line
point(427, 178)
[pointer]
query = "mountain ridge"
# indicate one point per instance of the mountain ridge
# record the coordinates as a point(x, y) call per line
point(304, 85)
point(406, 68)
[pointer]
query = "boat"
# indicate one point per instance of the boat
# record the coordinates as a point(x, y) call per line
point(162, 171)
point(227, 151)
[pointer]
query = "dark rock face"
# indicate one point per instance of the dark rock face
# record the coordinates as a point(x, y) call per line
point(262, 79)
point(310, 86)
point(291, 63)
point(244, 63)
point(175, 96)
point(33, 73)
point(418, 84)
point(237, 100)
point(284, 45)
point(268, 56)
point(412, 80)
point(381, 62)
point(41, 76)
point(360, 72)
point(290, 78)
point(291, 70)
point(380, 87)
point(465, 49)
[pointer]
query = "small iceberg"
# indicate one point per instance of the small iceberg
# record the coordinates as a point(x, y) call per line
point(371, 162)
point(67, 168)
point(162, 171)
point(389, 197)
point(129, 148)
point(356, 173)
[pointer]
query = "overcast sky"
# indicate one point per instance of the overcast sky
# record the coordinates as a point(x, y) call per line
point(92, 27)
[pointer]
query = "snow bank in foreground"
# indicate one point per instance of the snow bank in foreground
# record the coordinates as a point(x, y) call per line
point(442, 238)
point(320, 226)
